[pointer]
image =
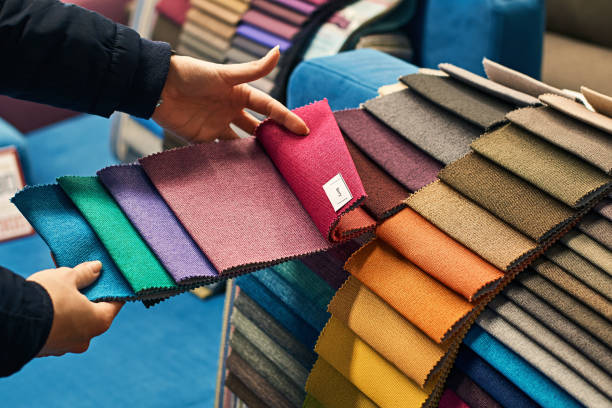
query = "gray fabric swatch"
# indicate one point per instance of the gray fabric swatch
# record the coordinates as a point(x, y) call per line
point(575, 335)
point(440, 133)
point(597, 227)
point(543, 360)
point(589, 249)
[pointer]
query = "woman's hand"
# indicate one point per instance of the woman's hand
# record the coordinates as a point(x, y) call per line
point(200, 99)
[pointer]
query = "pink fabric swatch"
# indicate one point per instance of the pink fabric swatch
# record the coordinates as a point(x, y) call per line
point(175, 10)
point(451, 400)
point(270, 24)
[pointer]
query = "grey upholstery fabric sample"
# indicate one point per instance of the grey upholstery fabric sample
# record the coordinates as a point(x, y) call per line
point(512, 199)
point(585, 141)
point(575, 335)
point(486, 85)
point(517, 80)
point(443, 135)
point(554, 344)
point(574, 287)
point(589, 249)
point(273, 351)
point(597, 227)
point(578, 111)
point(543, 360)
point(267, 369)
point(573, 309)
point(469, 103)
point(581, 269)
point(252, 311)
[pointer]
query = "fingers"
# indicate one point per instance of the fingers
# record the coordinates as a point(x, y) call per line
point(235, 74)
point(106, 313)
point(266, 105)
point(246, 122)
point(86, 273)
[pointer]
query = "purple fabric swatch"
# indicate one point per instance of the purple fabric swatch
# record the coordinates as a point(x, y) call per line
point(156, 223)
point(298, 5)
point(262, 37)
point(327, 267)
point(409, 165)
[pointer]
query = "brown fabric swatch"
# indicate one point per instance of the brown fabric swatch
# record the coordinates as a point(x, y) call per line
point(486, 85)
point(512, 199)
point(218, 27)
point(600, 102)
point(443, 135)
point(589, 249)
point(243, 392)
point(578, 111)
point(576, 137)
point(560, 174)
point(598, 228)
point(471, 225)
point(516, 80)
point(390, 334)
point(476, 107)
point(384, 195)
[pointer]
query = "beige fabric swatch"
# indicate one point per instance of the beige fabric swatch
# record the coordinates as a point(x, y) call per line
point(600, 102)
point(578, 111)
point(516, 80)
point(589, 249)
point(388, 89)
point(597, 227)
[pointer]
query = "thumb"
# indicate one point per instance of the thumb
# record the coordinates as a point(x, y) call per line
point(236, 74)
point(86, 273)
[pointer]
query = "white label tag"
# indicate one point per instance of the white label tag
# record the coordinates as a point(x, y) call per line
point(337, 192)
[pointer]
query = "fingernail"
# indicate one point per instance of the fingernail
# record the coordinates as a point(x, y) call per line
point(96, 265)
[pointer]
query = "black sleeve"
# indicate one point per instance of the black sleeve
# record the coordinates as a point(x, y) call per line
point(26, 315)
point(69, 57)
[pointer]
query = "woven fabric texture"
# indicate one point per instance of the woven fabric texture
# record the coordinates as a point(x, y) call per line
point(451, 400)
point(405, 162)
point(559, 173)
point(471, 104)
point(604, 208)
point(443, 135)
point(468, 390)
point(600, 102)
point(311, 402)
point(589, 249)
point(439, 255)
point(307, 282)
point(578, 111)
point(516, 80)
point(598, 228)
point(131, 254)
point(584, 141)
point(328, 267)
point(234, 384)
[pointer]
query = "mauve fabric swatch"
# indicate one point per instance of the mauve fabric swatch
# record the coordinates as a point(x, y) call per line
point(241, 222)
point(439, 255)
point(491, 381)
point(516, 80)
point(469, 103)
point(468, 390)
point(578, 111)
point(273, 9)
point(157, 225)
point(307, 163)
point(328, 267)
point(408, 164)
point(243, 392)
point(586, 142)
point(486, 85)
point(71, 239)
point(440, 133)
point(560, 324)
point(589, 249)
point(271, 24)
point(451, 400)
point(262, 37)
point(298, 5)
point(268, 301)
point(471, 225)
point(598, 228)
point(250, 46)
point(557, 172)
point(512, 199)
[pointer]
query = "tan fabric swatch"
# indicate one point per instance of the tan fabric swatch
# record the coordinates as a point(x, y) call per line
point(589, 249)
point(560, 174)
point(390, 334)
point(512, 199)
point(486, 85)
point(332, 390)
point(387, 89)
point(516, 80)
point(578, 111)
point(576, 137)
point(598, 228)
point(424, 301)
point(471, 225)
point(600, 102)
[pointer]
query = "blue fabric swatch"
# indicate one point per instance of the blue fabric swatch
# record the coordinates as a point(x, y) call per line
point(262, 37)
point(301, 330)
point(71, 239)
point(514, 368)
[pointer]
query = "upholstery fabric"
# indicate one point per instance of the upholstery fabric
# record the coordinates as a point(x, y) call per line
point(589, 249)
point(271, 24)
point(578, 111)
point(243, 392)
point(604, 208)
point(517, 80)
point(600, 102)
point(451, 400)
point(468, 390)
point(329, 268)
point(598, 228)
point(262, 37)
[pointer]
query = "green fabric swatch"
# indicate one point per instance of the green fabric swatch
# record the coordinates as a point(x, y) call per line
point(137, 263)
point(310, 284)
point(311, 402)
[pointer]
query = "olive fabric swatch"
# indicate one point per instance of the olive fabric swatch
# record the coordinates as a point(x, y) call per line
point(439, 255)
point(408, 164)
point(510, 198)
point(333, 390)
point(131, 254)
point(471, 225)
point(557, 172)
point(311, 402)
point(486, 85)
point(600, 102)
point(576, 137)
point(469, 103)
point(468, 390)
point(424, 301)
point(390, 334)
point(589, 249)
point(542, 359)
point(247, 396)
point(598, 228)
point(516, 80)
point(555, 321)
point(366, 369)
point(443, 135)
point(578, 111)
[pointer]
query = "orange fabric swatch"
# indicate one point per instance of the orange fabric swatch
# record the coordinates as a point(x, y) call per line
point(438, 254)
point(421, 299)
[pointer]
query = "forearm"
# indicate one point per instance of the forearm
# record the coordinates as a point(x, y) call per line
point(66, 56)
